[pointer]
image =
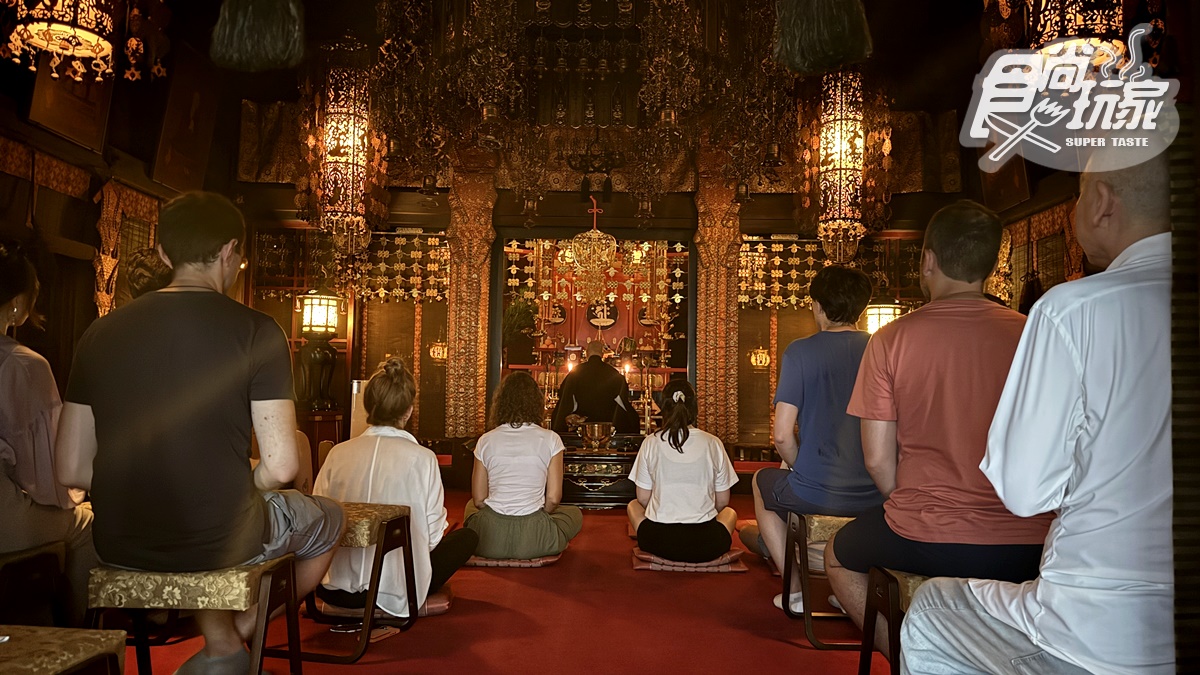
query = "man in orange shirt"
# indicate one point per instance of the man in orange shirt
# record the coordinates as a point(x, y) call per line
point(926, 393)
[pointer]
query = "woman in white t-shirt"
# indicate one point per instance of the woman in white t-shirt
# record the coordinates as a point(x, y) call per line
point(517, 481)
point(386, 465)
point(683, 476)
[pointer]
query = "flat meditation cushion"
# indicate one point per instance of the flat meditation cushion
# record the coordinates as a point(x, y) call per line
point(729, 562)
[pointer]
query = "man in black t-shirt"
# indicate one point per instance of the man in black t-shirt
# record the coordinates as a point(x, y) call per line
point(160, 405)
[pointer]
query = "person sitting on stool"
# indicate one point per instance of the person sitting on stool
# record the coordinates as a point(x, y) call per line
point(597, 391)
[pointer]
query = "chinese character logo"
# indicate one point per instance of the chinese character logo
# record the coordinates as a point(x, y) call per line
point(1060, 106)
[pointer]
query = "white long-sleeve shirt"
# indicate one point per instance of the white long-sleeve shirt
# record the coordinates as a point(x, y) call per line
point(386, 465)
point(1083, 428)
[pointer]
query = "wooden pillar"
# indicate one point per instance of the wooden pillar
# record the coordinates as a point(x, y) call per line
point(718, 239)
point(470, 238)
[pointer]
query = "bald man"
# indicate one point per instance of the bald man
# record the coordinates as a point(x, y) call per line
point(1082, 429)
point(596, 391)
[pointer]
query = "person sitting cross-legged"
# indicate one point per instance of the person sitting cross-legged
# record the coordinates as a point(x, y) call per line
point(926, 392)
point(516, 484)
point(161, 400)
point(683, 476)
point(826, 475)
point(386, 465)
point(1083, 428)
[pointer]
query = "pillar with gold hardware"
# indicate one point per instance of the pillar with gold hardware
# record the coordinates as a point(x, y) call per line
point(470, 237)
point(718, 238)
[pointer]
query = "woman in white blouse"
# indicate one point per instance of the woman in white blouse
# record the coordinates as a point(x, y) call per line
point(386, 465)
point(517, 481)
point(36, 509)
point(683, 476)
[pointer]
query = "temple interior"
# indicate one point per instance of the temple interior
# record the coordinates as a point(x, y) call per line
point(533, 307)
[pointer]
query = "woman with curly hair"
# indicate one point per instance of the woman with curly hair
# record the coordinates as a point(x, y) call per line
point(683, 477)
point(517, 481)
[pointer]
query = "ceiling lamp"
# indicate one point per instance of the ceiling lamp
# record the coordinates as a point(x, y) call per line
point(841, 165)
point(79, 32)
point(1079, 25)
point(593, 252)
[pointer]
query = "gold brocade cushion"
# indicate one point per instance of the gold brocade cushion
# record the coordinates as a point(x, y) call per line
point(362, 521)
point(35, 650)
point(822, 528)
point(235, 588)
point(909, 583)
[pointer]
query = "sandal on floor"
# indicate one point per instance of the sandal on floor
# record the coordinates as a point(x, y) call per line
point(230, 664)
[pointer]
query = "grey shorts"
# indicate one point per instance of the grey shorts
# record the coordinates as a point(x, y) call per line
point(305, 525)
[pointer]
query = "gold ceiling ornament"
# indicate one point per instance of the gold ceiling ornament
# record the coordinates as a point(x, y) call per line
point(438, 352)
point(487, 72)
point(341, 194)
point(671, 81)
point(82, 36)
point(840, 224)
point(593, 253)
point(753, 105)
point(1085, 25)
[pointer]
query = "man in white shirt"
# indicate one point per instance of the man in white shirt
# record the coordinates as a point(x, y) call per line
point(1083, 429)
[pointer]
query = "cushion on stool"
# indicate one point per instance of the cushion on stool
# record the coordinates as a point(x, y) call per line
point(730, 561)
point(234, 588)
point(36, 650)
point(476, 561)
point(436, 603)
point(909, 583)
point(822, 528)
point(362, 521)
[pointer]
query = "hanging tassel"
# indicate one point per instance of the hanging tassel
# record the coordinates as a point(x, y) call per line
point(585, 189)
point(606, 194)
point(814, 36)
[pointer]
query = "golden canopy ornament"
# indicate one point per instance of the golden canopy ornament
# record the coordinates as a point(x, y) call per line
point(593, 253)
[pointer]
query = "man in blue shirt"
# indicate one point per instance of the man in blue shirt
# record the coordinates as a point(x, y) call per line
point(816, 377)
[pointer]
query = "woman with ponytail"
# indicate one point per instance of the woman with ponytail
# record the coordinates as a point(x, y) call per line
point(516, 484)
point(683, 477)
point(386, 465)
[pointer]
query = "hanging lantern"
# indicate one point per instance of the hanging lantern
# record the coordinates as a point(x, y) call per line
point(881, 314)
point(1081, 25)
point(760, 358)
point(841, 165)
point(79, 32)
point(345, 120)
point(438, 352)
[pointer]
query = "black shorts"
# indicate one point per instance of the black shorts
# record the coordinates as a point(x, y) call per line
point(868, 541)
point(684, 542)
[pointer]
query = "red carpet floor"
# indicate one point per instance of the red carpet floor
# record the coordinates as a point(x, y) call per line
point(589, 613)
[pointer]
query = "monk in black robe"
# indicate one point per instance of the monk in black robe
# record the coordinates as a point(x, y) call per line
point(598, 392)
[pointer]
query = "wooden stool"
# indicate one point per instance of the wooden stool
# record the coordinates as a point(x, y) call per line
point(33, 578)
point(266, 585)
point(387, 527)
point(36, 650)
point(814, 528)
point(888, 592)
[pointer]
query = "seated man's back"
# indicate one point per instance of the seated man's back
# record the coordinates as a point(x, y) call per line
point(170, 378)
point(938, 372)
